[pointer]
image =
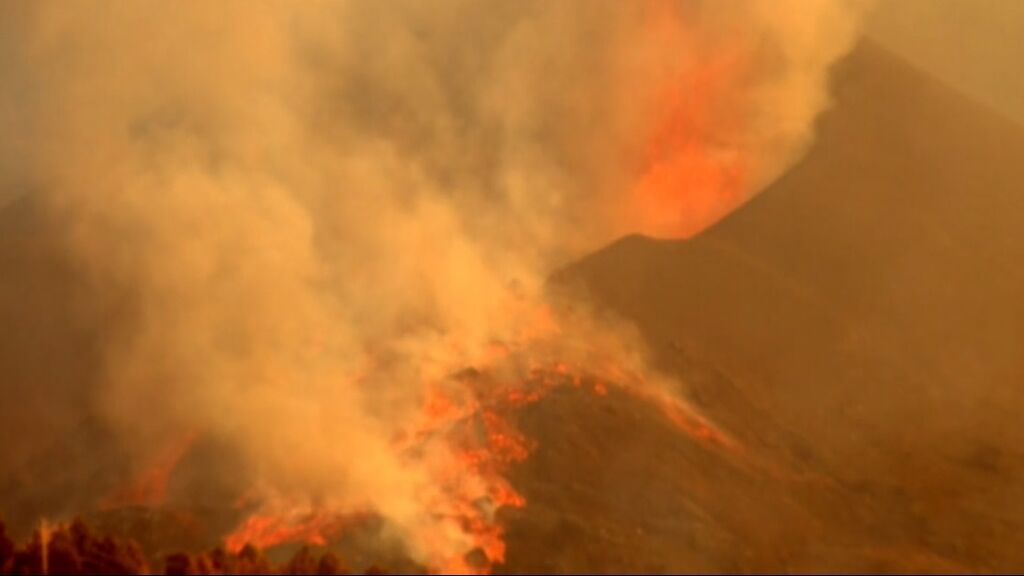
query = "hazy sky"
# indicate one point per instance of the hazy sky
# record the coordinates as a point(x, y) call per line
point(975, 45)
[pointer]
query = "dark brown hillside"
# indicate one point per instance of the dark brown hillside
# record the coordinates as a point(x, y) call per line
point(869, 306)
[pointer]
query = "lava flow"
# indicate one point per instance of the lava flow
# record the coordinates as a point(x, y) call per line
point(468, 418)
point(266, 531)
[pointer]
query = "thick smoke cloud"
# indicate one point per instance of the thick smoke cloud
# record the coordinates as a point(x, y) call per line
point(292, 216)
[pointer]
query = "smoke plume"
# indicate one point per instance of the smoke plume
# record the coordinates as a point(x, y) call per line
point(298, 218)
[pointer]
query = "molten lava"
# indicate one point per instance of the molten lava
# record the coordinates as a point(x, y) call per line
point(694, 170)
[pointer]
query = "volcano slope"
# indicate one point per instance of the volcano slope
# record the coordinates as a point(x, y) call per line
point(859, 327)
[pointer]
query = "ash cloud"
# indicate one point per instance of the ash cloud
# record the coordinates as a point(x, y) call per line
point(288, 217)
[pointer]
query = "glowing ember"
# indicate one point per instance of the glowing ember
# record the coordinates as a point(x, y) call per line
point(262, 531)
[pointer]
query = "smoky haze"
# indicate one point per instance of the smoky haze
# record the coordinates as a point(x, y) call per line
point(288, 218)
point(974, 46)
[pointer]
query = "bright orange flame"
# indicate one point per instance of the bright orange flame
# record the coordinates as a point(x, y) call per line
point(694, 172)
point(483, 444)
point(266, 531)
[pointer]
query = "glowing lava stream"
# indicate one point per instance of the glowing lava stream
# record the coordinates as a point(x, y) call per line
point(484, 445)
point(462, 418)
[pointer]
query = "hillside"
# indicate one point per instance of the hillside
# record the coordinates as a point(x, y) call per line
point(864, 320)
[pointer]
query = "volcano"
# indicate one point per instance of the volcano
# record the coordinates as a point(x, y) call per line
point(859, 325)
point(857, 328)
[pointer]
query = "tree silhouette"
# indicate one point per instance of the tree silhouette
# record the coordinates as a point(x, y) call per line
point(75, 549)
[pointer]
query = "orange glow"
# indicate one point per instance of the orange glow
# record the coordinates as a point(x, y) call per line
point(694, 171)
point(690, 422)
point(149, 486)
point(267, 531)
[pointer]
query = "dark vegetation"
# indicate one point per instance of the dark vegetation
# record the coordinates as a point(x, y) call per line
point(76, 549)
